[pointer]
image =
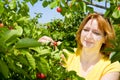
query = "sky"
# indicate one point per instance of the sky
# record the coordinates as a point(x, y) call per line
point(47, 13)
point(51, 14)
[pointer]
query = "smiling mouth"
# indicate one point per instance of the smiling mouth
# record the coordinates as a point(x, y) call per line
point(89, 42)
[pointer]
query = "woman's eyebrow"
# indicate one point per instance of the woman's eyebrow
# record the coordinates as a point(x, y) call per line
point(96, 30)
point(86, 27)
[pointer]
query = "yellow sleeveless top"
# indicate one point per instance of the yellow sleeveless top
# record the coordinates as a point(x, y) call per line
point(102, 67)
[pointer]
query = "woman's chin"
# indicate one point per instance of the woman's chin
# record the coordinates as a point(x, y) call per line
point(88, 45)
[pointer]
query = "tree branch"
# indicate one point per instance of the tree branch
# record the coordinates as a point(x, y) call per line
point(103, 7)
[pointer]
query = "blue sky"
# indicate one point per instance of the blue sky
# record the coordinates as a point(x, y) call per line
point(47, 13)
point(50, 14)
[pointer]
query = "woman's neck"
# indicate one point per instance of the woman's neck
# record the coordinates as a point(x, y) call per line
point(88, 59)
point(90, 56)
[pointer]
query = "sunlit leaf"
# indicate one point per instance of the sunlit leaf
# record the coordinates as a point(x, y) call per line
point(53, 4)
point(30, 59)
point(83, 6)
point(1, 7)
point(9, 35)
point(43, 66)
point(12, 4)
point(116, 14)
point(40, 51)
point(25, 19)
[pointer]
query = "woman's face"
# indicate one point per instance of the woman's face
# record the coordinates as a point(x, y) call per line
point(91, 35)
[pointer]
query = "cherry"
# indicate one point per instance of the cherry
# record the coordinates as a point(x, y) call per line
point(1, 24)
point(59, 9)
point(118, 8)
point(40, 76)
point(55, 43)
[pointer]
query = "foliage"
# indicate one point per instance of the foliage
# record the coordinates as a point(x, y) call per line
point(59, 28)
point(22, 56)
point(116, 49)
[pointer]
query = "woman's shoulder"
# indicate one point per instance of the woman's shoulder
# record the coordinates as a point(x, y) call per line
point(115, 65)
point(111, 66)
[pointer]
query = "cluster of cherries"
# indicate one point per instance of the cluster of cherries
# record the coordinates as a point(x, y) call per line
point(40, 76)
point(2, 25)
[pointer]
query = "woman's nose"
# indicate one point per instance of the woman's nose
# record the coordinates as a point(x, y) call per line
point(89, 35)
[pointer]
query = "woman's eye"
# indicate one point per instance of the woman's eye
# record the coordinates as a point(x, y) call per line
point(86, 29)
point(97, 33)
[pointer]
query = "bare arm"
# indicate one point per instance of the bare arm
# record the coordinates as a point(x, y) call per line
point(111, 76)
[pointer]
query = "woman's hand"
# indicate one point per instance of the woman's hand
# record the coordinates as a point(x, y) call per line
point(45, 39)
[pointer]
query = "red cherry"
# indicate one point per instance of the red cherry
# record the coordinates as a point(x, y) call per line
point(55, 43)
point(1, 24)
point(118, 8)
point(40, 75)
point(59, 9)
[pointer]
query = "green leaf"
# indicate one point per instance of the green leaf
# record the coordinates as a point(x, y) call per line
point(1, 7)
point(116, 14)
point(3, 47)
point(45, 3)
point(90, 9)
point(11, 60)
point(11, 64)
point(71, 50)
point(27, 42)
point(41, 51)
point(56, 54)
point(53, 4)
point(10, 35)
point(12, 4)
point(42, 65)
point(107, 12)
point(83, 6)
point(19, 30)
point(23, 19)
point(115, 57)
point(4, 69)
point(22, 60)
point(30, 59)
point(33, 1)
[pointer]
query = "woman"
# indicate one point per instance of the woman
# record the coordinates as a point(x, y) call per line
point(89, 60)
